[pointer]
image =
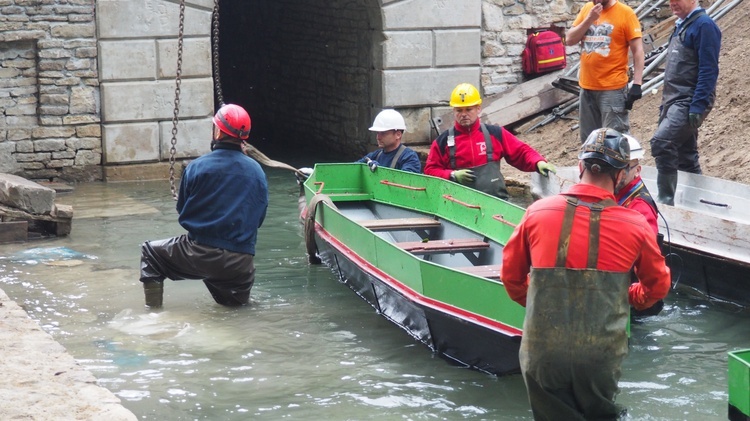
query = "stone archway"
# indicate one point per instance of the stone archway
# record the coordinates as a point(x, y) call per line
point(303, 70)
point(310, 73)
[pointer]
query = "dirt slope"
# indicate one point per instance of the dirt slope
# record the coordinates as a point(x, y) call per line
point(724, 138)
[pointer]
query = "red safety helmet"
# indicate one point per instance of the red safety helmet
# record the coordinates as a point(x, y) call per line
point(233, 120)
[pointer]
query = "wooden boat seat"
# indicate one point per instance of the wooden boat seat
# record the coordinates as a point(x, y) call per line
point(460, 245)
point(399, 224)
point(483, 271)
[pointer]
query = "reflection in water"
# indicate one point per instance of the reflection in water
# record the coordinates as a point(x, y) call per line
point(307, 347)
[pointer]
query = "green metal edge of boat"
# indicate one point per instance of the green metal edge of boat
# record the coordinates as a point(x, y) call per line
point(464, 206)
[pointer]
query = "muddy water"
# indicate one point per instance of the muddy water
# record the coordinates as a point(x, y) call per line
point(307, 347)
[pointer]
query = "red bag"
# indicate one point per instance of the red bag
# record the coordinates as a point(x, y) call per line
point(544, 53)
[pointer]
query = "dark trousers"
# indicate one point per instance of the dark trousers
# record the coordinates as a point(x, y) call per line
point(675, 143)
point(228, 275)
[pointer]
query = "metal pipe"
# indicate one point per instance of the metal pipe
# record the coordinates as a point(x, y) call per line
point(650, 9)
point(641, 6)
point(726, 9)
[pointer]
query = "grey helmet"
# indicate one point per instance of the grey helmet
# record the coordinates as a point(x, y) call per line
point(607, 145)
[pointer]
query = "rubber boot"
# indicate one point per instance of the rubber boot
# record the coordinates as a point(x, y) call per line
point(154, 293)
point(667, 184)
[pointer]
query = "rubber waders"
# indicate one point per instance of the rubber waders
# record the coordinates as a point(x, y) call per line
point(667, 184)
point(154, 293)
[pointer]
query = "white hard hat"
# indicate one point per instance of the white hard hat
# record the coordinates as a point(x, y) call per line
point(636, 151)
point(388, 120)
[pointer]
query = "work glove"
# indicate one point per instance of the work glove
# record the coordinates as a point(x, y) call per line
point(545, 167)
point(695, 120)
point(372, 164)
point(634, 94)
point(464, 176)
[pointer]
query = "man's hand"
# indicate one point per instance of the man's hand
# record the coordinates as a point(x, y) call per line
point(464, 176)
point(634, 94)
point(544, 168)
point(594, 13)
point(372, 164)
point(695, 120)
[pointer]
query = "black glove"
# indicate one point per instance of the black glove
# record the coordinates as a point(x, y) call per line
point(695, 120)
point(634, 94)
point(372, 164)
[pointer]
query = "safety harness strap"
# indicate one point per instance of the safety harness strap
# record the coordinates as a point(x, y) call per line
point(396, 157)
point(452, 144)
point(595, 216)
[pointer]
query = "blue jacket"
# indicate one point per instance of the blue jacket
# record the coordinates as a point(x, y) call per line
point(408, 161)
point(223, 199)
point(703, 36)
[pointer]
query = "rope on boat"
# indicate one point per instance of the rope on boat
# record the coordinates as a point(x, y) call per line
point(312, 208)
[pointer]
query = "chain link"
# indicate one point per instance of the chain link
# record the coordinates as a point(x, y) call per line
point(175, 116)
point(215, 44)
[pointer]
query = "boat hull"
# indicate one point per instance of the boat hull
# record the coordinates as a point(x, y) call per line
point(438, 277)
point(738, 380)
point(452, 338)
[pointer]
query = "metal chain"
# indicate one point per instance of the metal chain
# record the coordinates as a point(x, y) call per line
point(175, 116)
point(215, 44)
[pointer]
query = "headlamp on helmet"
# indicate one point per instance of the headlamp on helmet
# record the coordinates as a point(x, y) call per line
point(606, 145)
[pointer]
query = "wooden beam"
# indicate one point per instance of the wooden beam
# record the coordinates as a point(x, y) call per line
point(14, 232)
point(483, 271)
point(397, 224)
point(460, 245)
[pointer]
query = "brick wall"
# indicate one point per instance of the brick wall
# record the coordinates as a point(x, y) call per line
point(49, 90)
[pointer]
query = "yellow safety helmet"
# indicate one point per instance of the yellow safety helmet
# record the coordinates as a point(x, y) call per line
point(465, 95)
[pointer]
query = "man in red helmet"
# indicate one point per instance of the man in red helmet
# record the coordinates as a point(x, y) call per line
point(222, 202)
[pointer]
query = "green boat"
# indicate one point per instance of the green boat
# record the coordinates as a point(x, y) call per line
point(424, 252)
point(739, 385)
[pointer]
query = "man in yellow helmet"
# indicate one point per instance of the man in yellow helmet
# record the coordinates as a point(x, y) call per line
point(470, 151)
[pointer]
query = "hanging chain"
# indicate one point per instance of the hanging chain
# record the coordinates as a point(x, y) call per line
point(217, 78)
point(175, 116)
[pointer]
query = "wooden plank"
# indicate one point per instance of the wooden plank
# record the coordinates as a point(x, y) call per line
point(396, 224)
point(460, 245)
point(14, 232)
point(483, 271)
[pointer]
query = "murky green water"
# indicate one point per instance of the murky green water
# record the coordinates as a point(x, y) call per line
point(307, 348)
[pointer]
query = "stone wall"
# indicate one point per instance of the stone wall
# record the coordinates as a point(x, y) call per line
point(138, 62)
point(78, 95)
point(49, 90)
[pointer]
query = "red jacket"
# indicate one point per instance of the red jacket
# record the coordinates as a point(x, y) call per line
point(471, 151)
point(625, 241)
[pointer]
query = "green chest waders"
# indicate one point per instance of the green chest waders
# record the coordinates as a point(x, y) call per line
point(574, 334)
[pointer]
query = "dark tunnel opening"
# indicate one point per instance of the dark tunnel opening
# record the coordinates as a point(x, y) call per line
point(305, 73)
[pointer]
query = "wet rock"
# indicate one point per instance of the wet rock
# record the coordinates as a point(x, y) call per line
point(20, 193)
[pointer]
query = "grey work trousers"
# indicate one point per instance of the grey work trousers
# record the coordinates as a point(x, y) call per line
point(675, 143)
point(598, 109)
point(228, 275)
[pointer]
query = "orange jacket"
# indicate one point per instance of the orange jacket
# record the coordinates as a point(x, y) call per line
point(625, 241)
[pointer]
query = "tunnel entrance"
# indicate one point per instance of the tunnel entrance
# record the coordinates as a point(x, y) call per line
point(304, 71)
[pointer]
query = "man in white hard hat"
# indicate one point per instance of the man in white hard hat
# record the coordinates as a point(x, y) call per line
point(633, 194)
point(389, 126)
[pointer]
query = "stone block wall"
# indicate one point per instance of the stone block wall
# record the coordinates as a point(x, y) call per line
point(49, 90)
point(138, 60)
point(90, 83)
point(505, 24)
